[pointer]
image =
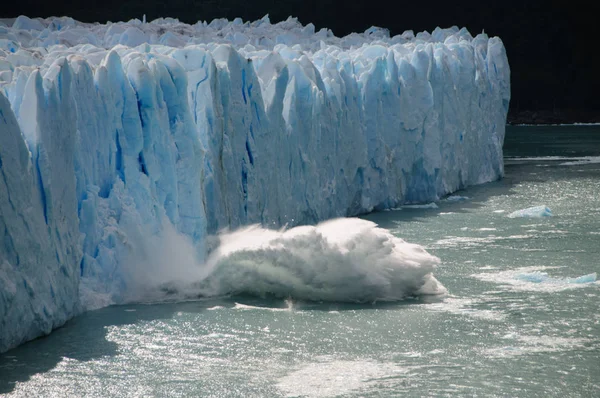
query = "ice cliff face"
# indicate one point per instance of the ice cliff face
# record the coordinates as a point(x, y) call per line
point(40, 238)
point(109, 133)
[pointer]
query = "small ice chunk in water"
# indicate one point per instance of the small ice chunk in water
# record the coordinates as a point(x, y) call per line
point(456, 198)
point(589, 278)
point(424, 206)
point(543, 277)
point(532, 212)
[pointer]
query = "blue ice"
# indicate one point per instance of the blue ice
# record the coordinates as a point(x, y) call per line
point(112, 135)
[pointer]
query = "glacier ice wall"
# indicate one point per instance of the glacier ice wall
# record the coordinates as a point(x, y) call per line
point(39, 246)
point(110, 132)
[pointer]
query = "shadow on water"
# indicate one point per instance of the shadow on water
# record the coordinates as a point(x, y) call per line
point(84, 338)
point(272, 302)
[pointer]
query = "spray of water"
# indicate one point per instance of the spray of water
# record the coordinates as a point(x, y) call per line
point(346, 260)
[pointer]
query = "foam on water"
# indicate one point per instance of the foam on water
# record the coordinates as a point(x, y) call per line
point(334, 378)
point(566, 160)
point(582, 161)
point(289, 307)
point(468, 307)
point(537, 158)
point(527, 344)
point(537, 279)
point(469, 241)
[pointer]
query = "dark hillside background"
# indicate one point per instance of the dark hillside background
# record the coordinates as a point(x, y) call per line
point(552, 46)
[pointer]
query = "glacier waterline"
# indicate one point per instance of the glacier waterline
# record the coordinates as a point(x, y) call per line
point(203, 131)
point(494, 335)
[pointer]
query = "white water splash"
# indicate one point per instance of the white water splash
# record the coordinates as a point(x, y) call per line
point(347, 260)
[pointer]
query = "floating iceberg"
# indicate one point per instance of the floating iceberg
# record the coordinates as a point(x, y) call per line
point(116, 135)
point(532, 212)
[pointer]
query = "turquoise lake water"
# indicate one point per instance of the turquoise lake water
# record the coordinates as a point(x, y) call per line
point(521, 318)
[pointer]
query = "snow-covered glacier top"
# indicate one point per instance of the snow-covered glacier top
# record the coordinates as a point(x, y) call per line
point(246, 36)
point(38, 42)
point(124, 147)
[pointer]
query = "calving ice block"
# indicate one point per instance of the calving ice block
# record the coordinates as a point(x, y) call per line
point(115, 135)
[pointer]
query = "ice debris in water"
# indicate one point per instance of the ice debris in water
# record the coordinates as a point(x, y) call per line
point(456, 198)
point(423, 206)
point(532, 212)
point(536, 278)
point(543, 277)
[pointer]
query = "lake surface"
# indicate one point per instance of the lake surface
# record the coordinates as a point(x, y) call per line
point(521, 317)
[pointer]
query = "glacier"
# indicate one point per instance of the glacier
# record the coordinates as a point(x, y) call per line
point(114, 135)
